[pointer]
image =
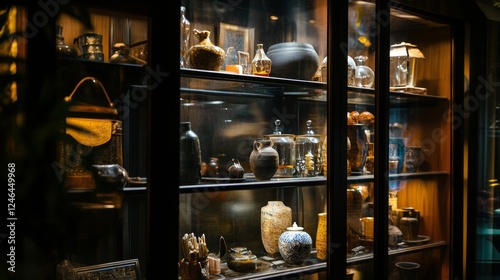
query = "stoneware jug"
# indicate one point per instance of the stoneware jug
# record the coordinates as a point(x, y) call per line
point(264, 160)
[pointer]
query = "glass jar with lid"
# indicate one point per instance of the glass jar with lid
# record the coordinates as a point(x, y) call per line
point(284, 144)
point(308, 153)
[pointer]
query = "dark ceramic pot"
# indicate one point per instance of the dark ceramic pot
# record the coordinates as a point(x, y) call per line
point(264, 160)
point(293, 60)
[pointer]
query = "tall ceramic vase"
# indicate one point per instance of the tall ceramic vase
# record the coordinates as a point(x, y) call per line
point(190, 155)
point(321, 239)
point(359, 148)
point(275, 218)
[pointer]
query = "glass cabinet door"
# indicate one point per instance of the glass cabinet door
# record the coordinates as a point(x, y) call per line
point(482, 147)
point(234, 110)
point(76, 78)
point(391, 157)
point(416, 171)
point(328, 124)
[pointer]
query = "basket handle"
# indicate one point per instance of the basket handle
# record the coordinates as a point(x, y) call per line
point(68, 98)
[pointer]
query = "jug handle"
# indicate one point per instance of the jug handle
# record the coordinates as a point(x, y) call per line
point(255, 143)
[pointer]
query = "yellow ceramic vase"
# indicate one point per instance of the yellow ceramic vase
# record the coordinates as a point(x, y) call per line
point(321, 240)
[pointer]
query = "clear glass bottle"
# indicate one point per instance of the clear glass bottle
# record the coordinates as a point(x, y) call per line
point(364, 74)
point(261, 64)
point(184, 39)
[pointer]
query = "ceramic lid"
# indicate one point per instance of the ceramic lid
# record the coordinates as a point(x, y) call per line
point(295, 227)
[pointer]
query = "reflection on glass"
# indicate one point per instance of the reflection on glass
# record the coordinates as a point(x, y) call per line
point(184, 38)
point(351, 71)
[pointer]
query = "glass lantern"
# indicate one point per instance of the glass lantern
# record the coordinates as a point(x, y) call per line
point(404, 58)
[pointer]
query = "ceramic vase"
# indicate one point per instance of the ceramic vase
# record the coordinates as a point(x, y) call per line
point(359, 148)
point(190, 156)
point(324, 153)
point(413, 158)
point(205, 55)
point(295, 244)
point(370, 159)
point(61, 48)
point(321, 237)
point(409, 227)
point(275, 217)
point(264, 160)
point(236, 170)
point(324, 156)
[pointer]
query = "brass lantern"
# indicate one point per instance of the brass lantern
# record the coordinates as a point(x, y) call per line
point(404, 58)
